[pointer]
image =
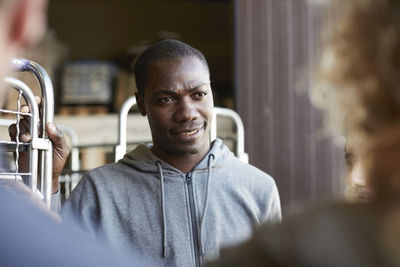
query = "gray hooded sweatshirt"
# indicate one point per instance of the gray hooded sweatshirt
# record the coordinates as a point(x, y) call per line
point(176, 218)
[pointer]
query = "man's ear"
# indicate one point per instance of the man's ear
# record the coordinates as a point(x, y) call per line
point(27, 22)
point(140, 103)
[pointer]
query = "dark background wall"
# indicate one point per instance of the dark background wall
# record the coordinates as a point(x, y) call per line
point(117, 29)
point(276, 43)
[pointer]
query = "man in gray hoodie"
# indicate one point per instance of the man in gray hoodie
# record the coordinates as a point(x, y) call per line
point(182, 198)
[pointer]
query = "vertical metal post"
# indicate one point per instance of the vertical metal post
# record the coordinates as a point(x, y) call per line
point(120, 148)
point(46, 86)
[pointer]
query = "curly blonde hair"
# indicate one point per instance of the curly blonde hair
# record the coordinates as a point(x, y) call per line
point(359, 73)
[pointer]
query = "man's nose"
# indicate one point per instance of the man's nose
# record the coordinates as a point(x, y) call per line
point(186, 111)
point(358, 175)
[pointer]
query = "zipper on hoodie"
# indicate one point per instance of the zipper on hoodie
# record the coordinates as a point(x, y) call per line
point(193, 220)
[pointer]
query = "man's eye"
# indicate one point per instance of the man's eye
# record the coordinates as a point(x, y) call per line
point(349, 162)
point(200, 94)
point(166, 100)
point(349, 159)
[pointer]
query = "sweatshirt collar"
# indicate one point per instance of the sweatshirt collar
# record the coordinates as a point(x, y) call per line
point(144, 159)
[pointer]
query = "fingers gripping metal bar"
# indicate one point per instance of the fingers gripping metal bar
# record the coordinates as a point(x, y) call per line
point(46, 86)
point(71, 180)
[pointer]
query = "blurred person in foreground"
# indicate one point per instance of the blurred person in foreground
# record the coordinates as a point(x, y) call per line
point(359, 74)
point(29, 234)
point(358, 188)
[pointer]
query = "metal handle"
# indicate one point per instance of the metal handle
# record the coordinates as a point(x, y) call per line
point(34, 126)
point(42, 145)
point(120, 148)
point(226, 112)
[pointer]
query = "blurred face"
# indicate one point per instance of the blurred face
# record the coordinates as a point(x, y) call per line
point(382, 161)
point(358, 188)
point(178, 103)
point(5, 56)
point(22, 25)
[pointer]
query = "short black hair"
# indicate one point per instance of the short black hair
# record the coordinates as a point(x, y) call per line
point(164, 49)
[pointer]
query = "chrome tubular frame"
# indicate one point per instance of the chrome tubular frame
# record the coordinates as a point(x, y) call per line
point(120, 148)
point(46, 157)
point(33, 128)
point(40, 148)
point(239, 147)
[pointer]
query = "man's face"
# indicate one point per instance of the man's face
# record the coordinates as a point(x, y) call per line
point(358, 188)
point(22, 25)
point(178, 103)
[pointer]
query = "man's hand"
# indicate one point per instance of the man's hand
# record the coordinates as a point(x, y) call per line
point(60, 151)
point(60, 148)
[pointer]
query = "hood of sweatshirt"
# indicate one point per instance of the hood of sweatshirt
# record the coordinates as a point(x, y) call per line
point(178, 218)
point(141, 158)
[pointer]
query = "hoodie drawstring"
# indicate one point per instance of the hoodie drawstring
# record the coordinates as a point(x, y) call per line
point(203, 215)
point(164, 222)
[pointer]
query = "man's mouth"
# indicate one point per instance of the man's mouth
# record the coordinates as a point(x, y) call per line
point(188, 132)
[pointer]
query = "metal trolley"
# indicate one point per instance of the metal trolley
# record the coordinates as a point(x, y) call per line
point(39, 149)
point(120, 148)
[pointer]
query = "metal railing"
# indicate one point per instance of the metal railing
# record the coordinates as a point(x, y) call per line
point(39, 149)
point(234, 116)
